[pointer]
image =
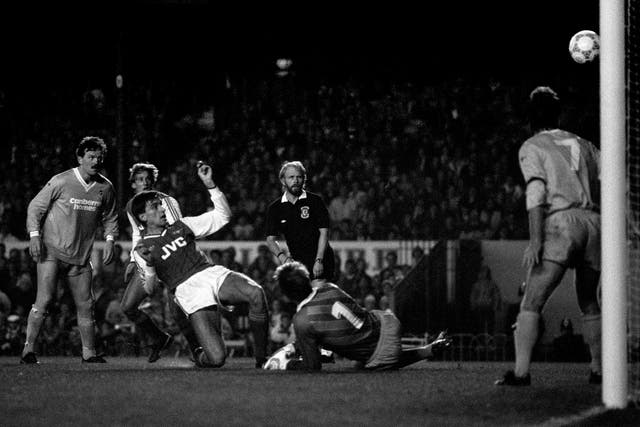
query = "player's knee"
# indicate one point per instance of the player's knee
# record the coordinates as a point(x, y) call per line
point(533, 303)
point(212, 359)
point(129, 310)
point(39, 311)
point(85, 309)
point(257, 298)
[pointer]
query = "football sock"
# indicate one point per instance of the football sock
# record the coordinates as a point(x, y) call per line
point(525, 336)
point(187, 330)
point(259, 328)
point(145, 324)
point(34, 323)
point(149, 327)
point(592, 331)
point(87, 336)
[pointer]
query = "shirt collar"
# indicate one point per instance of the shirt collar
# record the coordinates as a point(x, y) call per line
point(285, 200)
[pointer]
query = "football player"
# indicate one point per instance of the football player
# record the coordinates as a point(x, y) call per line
point(168, 253)
point(327, 317)
point(62, 220)
point(143, 177)
point(561, 170)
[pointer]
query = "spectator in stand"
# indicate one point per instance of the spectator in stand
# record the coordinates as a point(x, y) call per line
point(215, 255)
point(369, 302)
point(416, 255)
point(262, 264)
point(485, 300)
point(392, 271)
point(348, 281)
point(342, 206)
point(243, 229)
point(361, 272)
point(229, 260)
point(282, 333)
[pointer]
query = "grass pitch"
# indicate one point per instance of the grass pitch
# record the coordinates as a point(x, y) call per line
point(130, 391)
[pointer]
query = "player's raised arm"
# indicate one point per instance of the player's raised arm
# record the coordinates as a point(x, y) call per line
point(212, 221)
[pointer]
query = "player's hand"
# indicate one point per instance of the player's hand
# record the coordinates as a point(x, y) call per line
point(532, 254)
point(440, 344)
point(107, 252)
point(145, 253)
point(318, 268)
point(129, 272)
point(150, 285)
point(35, 248)
point(206, 174)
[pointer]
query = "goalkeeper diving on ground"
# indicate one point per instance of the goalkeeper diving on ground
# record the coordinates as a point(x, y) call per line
point(328, 318)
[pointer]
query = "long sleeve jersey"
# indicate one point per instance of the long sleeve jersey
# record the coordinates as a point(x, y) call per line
point(67, 212)
point(172, 256)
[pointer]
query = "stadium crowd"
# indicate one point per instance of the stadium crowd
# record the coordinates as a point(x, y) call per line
point(392, 161)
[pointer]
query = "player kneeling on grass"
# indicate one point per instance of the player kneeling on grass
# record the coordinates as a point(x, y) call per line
point(168, 253)
point(327, 317)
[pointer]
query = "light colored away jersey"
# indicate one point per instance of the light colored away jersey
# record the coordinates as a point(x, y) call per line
point(172, 211)
point(568, 165)
point(67, 212)
point(173, 253)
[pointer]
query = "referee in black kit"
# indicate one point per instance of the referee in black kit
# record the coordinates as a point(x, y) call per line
point(303, 219)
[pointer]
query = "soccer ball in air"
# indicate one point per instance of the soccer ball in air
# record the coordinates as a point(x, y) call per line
point(584, 46)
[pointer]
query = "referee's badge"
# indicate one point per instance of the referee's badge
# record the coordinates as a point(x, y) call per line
point(304, 212)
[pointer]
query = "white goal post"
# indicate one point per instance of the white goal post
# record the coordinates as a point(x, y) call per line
point(613, 203)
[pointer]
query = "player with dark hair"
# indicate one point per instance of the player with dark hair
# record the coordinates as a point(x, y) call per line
point(168, 253)
point(143, 177)
point(303, 219)
point(62, 220)
point(327, 317)
point(561, 171)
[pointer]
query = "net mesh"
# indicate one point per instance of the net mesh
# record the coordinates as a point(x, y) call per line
point(633, 192)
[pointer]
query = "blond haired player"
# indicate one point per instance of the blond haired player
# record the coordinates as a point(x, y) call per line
point(143, 177)
point(561, 170)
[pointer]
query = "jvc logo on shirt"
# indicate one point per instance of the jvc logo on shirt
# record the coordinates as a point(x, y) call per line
point(170, 248)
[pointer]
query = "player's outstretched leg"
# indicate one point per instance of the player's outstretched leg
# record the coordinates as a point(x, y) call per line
point(133, 295)
point(430, 351)
point(206, 324)
point(238, 288)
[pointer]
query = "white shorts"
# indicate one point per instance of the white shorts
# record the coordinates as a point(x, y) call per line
point(389, 348)
point(201, 289)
